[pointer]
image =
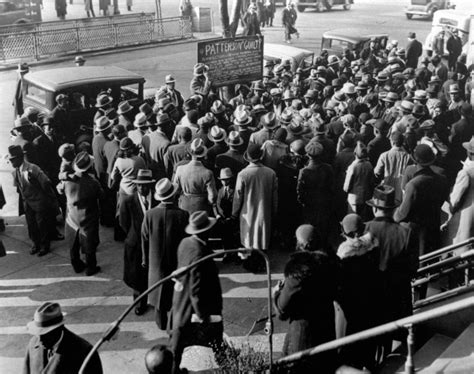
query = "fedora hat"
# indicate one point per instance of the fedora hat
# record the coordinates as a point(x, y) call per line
point(314, 149)
point(144, 176)
point(352, 223)
point(339, 96)
point(348, 88)
point(288, 95)
point(306, 113)
point(217, 107)
point(382, 77)
point(313, 74)
point(453, 88)
point(469, 146)
point(162, 119)
point(434, 80)
point(126, 144)
point(423, 155)
point(216, 134)
point(21, 123)
point(15, 151)
point(391, 97)
point(311, 94)
point(197, 148)
point(286, 117)
point(254, 153)
point(124, 107)
point(65, 149)
point(102, 123)
point(169, 79)
point(140, 120)
point(47, 318)
point(83, 162)
point(420, 95)
point(258, 109)
point(199, 222)
point(164, 189)
point(103, 100)
point(258, 86)
point(234, 139)
point(332, 60)
point(427, 125)
point(189, 104)
point(269, 120)
point(242, 118)
point(296, 126)
point(79, 60)
point(23, 68)
point(207, 120)
point(383, 198)
point(407, 106)
point(381, 125)
point(146, 109)
point(275, 92)
point(225, 173)
point(418, 110)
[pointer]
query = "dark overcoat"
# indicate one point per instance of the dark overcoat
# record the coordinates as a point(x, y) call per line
point(131, 219)
point(162, 231)
point(414, 50)
point(67, 358)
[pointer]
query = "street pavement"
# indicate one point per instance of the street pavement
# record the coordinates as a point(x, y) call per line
point(92, 303)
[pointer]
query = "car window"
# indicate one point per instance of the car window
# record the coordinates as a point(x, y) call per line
point(326, 43)
point(129, 92)
point(37, 94)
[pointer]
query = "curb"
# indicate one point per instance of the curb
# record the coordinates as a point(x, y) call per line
point(53, 60)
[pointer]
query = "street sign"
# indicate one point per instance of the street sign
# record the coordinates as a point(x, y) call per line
point(232, 61)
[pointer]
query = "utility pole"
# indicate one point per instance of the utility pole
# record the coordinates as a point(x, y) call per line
point(158, 9)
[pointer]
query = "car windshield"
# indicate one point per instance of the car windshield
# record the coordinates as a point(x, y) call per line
point(420, 2)
point(36, 94)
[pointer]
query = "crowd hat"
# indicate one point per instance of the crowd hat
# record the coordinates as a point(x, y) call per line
point(311, 94)
point(339, 96)
point(216, 134)
point(225, 173)
point(269, 120)
point(275, 92)
point(320, 128)
point(47, 318)
point(391, 97)
point(427, 125)
point(352, 223)
point(242, 118)
point(314, 149)
point(320, 82)
point(169, 79)
point(418, 110)
point(332, 60)
point(146, 109)
point(453, 88)
point(382, 77)
point(305, 233)
point(126, 144)
point(466, 109)
point(400, 52)
point(144, 176)
point(286, 117)
point(140, 120)
point(162, 119)
point(313, 74)
point(420, 95)
point(336, 83)
point(207, 120)
point(469, 146)
point(164, 189)
point(217, 107)
point(234, 139)
point(383, 198)
point(306, 113)
point(65, 149)
point(83, 162)
point(254, 153)
point(103, 123)
point(423, 155)
point(197, 148)
point(258, 86)
point(382, 125)
point(103, 100)
point(15, 151)
point(258, 109)
point(412, 35)
point(23, 68)
point(296, 126)
point(407, 106)
point(288, 95)
point(434, 80)
point(124, 107)
point(348, 120)
point(189, 104)
point(297, 146)
point(362, 86)
point(21, 123)
point(348, 88)
point(199, 222)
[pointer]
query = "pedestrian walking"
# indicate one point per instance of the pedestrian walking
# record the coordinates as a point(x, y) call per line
point(61, 8)
point(251, 21)
point(23, 68)
point(162, 231)
point(288, 19)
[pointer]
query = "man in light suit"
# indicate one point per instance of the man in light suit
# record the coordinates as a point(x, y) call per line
point(37, 200)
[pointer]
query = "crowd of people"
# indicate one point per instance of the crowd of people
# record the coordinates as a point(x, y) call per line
point(364, 149)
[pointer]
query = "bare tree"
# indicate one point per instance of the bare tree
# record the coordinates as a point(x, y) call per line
point(229, 26)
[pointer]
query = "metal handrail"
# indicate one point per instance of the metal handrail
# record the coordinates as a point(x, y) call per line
point(441, 251)
point(379, 330)
point(114, 327)
point(449, 261)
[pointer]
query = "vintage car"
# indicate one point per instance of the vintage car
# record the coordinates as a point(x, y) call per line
point(17, 12)
point(299, 58)
point(320, 5)
point(82, 85)
point(356, 40)
point(426, 8)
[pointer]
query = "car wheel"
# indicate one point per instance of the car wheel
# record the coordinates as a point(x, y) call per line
point(432, 13)
point(300, 8)
point(328, 4)
point(347, 7)
point(319, 7)
point(409, 16)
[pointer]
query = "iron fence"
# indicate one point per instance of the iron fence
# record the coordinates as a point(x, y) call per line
point(78, 36)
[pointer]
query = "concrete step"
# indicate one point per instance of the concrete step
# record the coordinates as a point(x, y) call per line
point(458, 357)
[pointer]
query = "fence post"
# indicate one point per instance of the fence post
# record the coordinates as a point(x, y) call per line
point(151, 28)
point(78, 40)
point(409, 364)
point(114, 25)
point(35, 45)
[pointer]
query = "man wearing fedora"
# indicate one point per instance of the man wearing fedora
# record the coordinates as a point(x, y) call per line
point(83, 194)
point(22, 138)
point(218, 136)
point(103, 103)
point(424, 195)
point(61, 117)
point(131, 214)
point(159, 143)
point(397, 256)
point(380, 143)
point(125, 112)
point(255, 203)
point(47, 145)
point(54, 349)
point(461, 132)
point(173, 94)
point(37, 200)
point(269, 123)
point(177, 152)
point(197, 297)
point(161, 232)
point(196, 183)
point(201, 83)
point(23, 68)
point(234, 157)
